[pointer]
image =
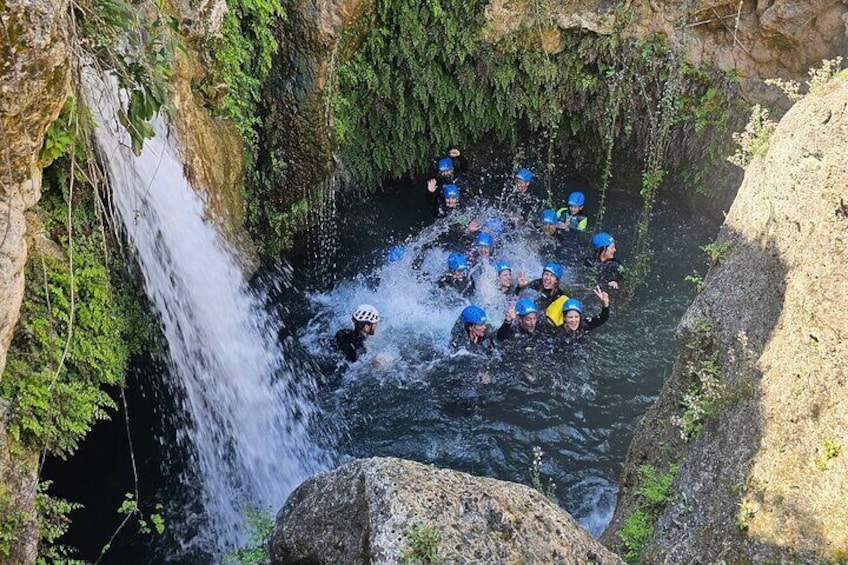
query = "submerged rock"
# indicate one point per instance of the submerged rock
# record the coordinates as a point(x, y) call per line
point(386, 510)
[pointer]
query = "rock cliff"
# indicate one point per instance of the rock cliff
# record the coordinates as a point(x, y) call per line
point(33, 85)
point(761, 384)
point(753, 39)
point(385, 510)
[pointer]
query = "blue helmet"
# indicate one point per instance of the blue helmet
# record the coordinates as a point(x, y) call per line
point(554, 268)
point(485, 240)
point(601, 240)
point(396, 253)
point(524, 175)
point(502, 266)
point(573, 304)
point(456, 262)
point(473, 315)
point(549, 217)
point(576, 199)
point(445, 164)
point(450, 191)
point(525, 306)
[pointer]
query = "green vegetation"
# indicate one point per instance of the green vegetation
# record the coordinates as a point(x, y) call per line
point(536, 481)
point(422, 546)
point(424, 77)
point(755, 140)
point(830, 449)
point(716, 251)
point(134, 45)
point(652, 496)
point(242, 59)
point(258, 526)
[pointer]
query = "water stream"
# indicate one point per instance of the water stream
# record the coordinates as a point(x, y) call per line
point(243, 416)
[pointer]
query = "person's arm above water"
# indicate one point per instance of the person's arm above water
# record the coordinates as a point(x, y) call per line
point(506, 331)
point(600, 319)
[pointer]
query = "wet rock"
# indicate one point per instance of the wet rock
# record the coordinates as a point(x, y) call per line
point(369, 511)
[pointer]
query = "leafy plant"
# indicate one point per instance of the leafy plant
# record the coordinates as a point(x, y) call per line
point(135, 46)
point(652, 495)
point(716, 250)
point(536, 481)
point(755, 140)
point(634, 533)
point(422, 546)
point(258, 527)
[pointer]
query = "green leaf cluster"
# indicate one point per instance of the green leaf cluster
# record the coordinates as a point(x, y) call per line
point(135, 46)
point(243, 57)
point(258, 526)
point(59, 361)
point(653, 493)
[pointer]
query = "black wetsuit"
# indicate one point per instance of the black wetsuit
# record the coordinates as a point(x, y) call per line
point(459, 339)
point(464, 285)
point(586, 325)
point(512, 330)
point(545, 296)
point(605, 272)
point(521, 207)
point(351, 343)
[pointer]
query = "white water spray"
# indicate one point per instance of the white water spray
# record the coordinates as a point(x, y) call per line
point(247, 412)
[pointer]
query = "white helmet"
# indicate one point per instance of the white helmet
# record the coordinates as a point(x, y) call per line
point(366, 313)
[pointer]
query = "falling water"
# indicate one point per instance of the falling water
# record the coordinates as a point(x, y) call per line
point(246, 418)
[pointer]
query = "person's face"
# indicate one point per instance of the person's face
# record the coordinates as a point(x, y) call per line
point(458, 274)
point(521, 186)
point(549, 281)
point(369, 329)
point(574, 210)
point(609, 251)
point(572, 319)
point(505, 278)
point(451, 201)
point(478, 330)
point(446, 174)
point(484, 250)
point(549, 229)
point(528, 322)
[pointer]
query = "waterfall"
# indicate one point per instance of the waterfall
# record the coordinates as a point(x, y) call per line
point(246, 415)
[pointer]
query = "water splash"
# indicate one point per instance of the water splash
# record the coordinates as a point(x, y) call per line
point(246, 417)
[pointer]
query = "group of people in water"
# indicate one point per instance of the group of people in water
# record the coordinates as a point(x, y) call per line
point(533, 307)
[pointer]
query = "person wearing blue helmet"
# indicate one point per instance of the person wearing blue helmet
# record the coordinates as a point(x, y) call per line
point(483, 249)
point(549, 220)
point(448, 171)
point(547, 286)
point(504, 281)
point(520, 321)
point(471, 331)
point(608, 269)
point(458, 275)
point(518, 199)
point(577, 325)
point(571, 218)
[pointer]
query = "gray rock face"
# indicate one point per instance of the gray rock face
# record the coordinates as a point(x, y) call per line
point(765, 480)
point(366, 512)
